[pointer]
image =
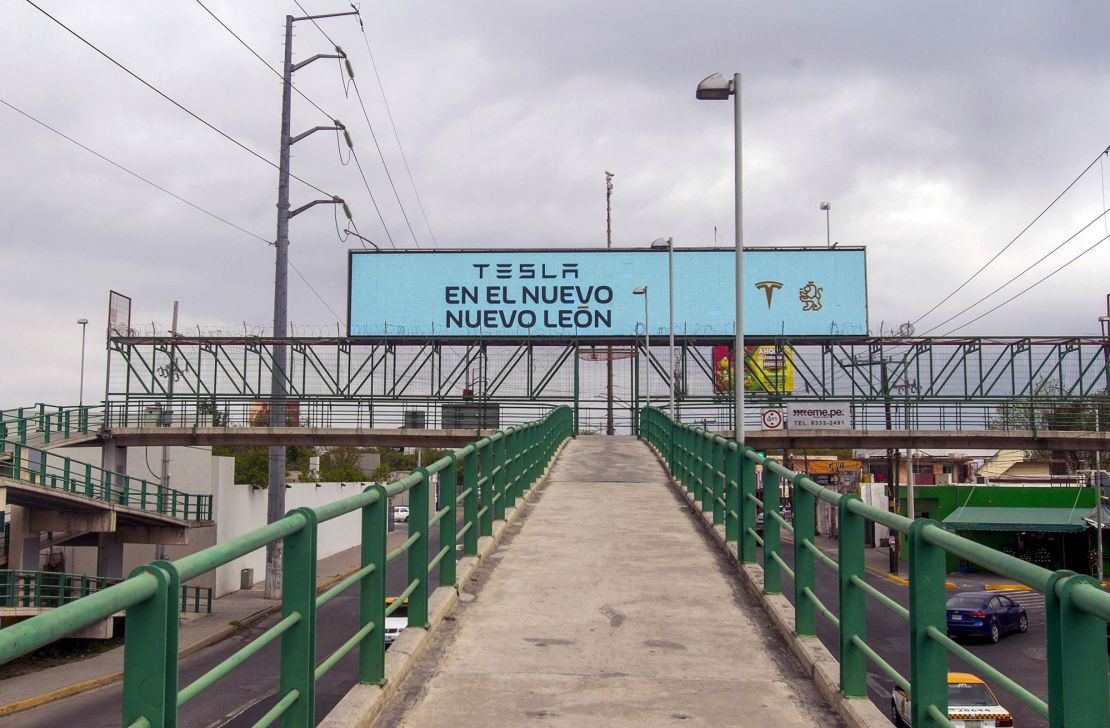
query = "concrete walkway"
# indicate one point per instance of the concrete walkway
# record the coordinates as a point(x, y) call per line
point(610, 608)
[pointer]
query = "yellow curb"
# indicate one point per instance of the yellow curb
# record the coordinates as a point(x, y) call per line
point(98, 682)
point(898, 579)
point(1007, 587)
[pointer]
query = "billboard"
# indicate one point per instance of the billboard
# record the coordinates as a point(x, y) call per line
point(590, 293)
point(769, 369)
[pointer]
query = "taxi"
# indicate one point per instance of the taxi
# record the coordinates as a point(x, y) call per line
point(971, 704)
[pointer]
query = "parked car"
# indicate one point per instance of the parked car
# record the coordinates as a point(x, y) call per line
point(985, 614)
point(970, 703)
point(401, 514)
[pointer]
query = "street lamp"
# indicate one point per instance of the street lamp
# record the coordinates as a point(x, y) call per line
point(668, 245)
point(81, 392)
point(643, 291)
point(718, 88)
point(825, 206)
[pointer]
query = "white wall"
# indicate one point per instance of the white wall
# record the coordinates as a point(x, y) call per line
point(874, 494)
point(241, 508)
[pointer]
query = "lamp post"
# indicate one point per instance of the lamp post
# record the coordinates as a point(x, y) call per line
point(668, 244)
point(643, 291)
point(81, 391)
point(719, 88)
point(828, 238)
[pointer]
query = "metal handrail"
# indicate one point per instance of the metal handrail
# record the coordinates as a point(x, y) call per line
point(149, 596)
point(44, 424)
point(47, 469)
point(722, 479)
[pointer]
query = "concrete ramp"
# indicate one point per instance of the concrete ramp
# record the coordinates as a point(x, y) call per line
point(609, 608)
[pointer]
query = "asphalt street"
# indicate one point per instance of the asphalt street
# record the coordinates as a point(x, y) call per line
point(1019, 656)
point(244, 695)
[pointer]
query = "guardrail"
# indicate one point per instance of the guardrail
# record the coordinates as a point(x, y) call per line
point(723, 480)
point(496, 471)
point(323, 411)
point(47, 469)
point(53, 589)
point(42, 424)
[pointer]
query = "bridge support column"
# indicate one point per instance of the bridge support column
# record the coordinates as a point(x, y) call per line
point(113, 458)
point(109, 556)
point(24, 544)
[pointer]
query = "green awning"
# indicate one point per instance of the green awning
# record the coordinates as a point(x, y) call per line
point(999, 518)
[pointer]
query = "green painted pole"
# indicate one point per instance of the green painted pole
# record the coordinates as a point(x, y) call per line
point(1082, 648)
point(772, 541)
point(805, 612)
point(717, 464)
point(500, 480)
point(371, 596)
point(928, 658)
point(707, 474)
point(418, 552)
point(732, 496)
point(470, 503)
point(485, 490)
point(853, 600)
point(577, 387)
point(147, 690)
point(448, 525)
point(747, 551)
point(298, 643)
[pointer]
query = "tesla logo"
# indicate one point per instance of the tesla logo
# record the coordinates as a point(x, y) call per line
point(769, 288)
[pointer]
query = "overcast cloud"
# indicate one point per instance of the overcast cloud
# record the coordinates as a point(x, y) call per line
point(937, 130)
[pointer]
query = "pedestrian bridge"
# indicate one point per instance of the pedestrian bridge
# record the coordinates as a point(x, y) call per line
point(601, 581)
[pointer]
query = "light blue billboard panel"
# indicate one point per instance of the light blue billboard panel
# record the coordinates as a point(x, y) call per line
point(520, 293)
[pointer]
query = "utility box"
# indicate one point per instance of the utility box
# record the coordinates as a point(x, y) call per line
point(415, 419)
point(246, 579)
point(472, 416)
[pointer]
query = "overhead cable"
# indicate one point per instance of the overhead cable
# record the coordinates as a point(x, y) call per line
point(1015, 238)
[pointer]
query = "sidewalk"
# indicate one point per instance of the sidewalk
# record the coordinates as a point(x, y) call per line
point(877, 561)
point(229, 614)
point(608, 609)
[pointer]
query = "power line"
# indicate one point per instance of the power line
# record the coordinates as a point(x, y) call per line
point(1028, 268)
point(173, 101)
point(385, 166)
point(162, 189)
point(281, 76)
point(263, 60)
point(1030, 287)
point(374, 137)
point(1015, 238)
point(396, 135)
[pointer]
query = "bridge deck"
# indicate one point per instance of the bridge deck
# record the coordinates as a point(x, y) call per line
point(609, 609)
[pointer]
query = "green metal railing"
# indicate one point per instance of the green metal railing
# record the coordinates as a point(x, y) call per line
point(496, 472)
point(723, 481)
point(47, 469)
point(52, 589)
point(43, 424)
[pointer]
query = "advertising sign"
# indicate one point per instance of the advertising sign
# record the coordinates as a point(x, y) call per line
point(819, 416)
point(572, 293)
point(769, 369)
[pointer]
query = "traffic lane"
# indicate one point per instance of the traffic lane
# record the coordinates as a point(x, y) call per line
point(340, 616)
point(1021, 657)
point(247, 687)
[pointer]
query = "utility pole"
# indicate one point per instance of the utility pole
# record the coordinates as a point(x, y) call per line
point(160, 550)
point(609, 351)
point(275, 503)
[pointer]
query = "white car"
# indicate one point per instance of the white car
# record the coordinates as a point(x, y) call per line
point(971, 704)
point(396, 622)
point(401, 514)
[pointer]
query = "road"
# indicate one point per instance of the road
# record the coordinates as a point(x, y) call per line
point(1019, 656)
point(247, 692)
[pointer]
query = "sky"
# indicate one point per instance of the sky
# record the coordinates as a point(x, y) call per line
point(937, 131)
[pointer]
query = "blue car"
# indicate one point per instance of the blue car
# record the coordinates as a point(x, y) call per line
point(984, 614)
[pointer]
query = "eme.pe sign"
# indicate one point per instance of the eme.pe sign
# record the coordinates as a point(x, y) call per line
point(584, 293)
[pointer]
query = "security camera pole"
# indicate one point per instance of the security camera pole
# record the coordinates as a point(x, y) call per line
point(275, 503)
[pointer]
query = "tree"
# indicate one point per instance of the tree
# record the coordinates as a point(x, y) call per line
point(1050, 409)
